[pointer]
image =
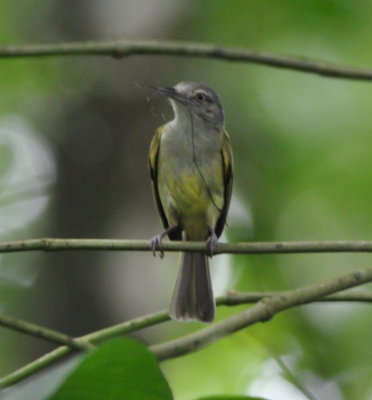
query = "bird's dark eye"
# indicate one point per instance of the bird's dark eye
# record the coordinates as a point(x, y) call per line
point(201, 96)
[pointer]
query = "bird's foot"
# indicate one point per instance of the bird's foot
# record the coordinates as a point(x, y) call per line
point(212, 242)
point(156, 241)
point(155, 245)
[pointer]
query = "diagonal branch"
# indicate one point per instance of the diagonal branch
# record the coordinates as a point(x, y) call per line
point(94, 337)
point(262, 311)
point(54, 244)
point(126, 48)
point(231, 299)
point(234, 298)
point(43, 333)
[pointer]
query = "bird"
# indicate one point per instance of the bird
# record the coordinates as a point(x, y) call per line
point(191, 169)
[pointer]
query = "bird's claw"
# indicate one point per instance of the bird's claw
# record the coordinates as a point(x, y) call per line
point(212, 243)
point(155, 245)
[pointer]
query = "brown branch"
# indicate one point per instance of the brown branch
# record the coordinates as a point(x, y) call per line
point(262, 311)
point(43, 333)
point(53, 244)
point(231, 299)
point(126, 48)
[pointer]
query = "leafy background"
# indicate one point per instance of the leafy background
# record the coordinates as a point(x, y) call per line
point(74, 136)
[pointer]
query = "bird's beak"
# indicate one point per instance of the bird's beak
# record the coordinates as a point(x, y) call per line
point(173, 94)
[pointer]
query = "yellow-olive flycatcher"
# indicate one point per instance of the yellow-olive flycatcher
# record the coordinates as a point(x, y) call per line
point(191, 169)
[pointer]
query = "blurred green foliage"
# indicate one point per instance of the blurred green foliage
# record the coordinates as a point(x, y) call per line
point(302, 149)
point(303, 170)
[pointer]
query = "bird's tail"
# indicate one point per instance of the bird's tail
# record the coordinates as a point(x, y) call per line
point(193, 295)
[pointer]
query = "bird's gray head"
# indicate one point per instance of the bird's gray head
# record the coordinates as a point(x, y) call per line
point(196, 99)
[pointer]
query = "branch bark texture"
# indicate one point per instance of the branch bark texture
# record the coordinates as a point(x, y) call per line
point(262, 311)
point(171, 349)
point(43, 333)
point(54, 244)
point(126, 48)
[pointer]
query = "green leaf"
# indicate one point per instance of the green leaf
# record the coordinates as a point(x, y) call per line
point(122, 368)
point(227, 397)
point(42, 384)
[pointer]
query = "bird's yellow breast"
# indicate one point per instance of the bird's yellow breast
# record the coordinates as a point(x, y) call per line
point(192, 196)
point(190, 178)
point(188, 194)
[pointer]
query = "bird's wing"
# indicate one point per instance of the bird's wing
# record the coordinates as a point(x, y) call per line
point(227, 161)
point(153, 166)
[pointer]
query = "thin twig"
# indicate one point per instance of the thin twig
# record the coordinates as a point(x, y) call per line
point(291, 377)
point(234, 298)
point(54, 244)
point(262, 311)
point(231, 299)
point(43, 333)
point(94, 337)
point(126, 48)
